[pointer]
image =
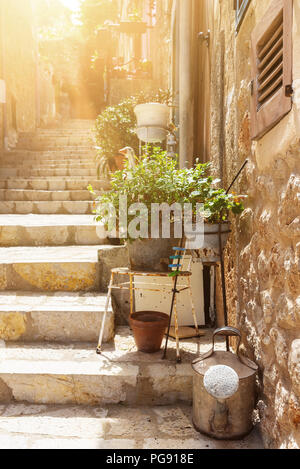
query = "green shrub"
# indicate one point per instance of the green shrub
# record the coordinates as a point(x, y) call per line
point(115, 128)
point(157, 179)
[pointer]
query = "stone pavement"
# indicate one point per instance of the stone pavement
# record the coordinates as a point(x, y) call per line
point(25, 426)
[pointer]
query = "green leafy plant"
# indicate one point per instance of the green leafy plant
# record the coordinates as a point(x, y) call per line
point(156, 178)
point(219, 204)
point(115, 128)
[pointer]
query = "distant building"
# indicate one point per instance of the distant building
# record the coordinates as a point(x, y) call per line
point(26, 97)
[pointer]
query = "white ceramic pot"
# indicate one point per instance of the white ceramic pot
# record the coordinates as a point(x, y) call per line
point(207, 241)
point(152, 122)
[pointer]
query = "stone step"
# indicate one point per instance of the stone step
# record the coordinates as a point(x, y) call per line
point(65, 131)
point(54, 184)
point(48, 373)
point(51, 164)
point(75, 124)
point(57, 137)
point(8, 162)
point(63, 134)
point(56, 143)
point(34, 172)
point(50, 230)
point(63, 317)
point(34, 195)
point(24, 155)
point(26, 426)
point(82, 126)
point(59, 268)
point(53, 147)
point(66, 207)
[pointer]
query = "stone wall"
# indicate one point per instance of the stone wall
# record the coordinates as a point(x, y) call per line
point(19, 66)
point(263, 256)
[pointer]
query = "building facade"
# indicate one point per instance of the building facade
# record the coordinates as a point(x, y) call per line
point(241, 84)
point(27, 97)
point(18, 51)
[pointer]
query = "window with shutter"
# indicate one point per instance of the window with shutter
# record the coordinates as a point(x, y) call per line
point(272, 68)
point(241, 7)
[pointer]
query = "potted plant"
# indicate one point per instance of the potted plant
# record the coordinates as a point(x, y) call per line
point(152, 122)
point(148, 182)
point(115, 129)
point(156, 179)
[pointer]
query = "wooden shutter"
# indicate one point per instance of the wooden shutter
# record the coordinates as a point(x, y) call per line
point(272, 68)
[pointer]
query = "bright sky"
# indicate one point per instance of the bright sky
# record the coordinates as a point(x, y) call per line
point(72, 4)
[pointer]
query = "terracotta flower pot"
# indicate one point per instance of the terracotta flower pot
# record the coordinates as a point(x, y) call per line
point(148, 329)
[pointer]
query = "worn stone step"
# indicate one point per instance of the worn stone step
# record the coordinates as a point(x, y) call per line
point(57, 130)
point(50, 207)
point(34, 172)
point(53, 147)
point(55, 183)
point(76, 123)
point(50, 164)
point(59, 268)
point(22, 155)
point(26, 426)
point(35, 195)
point(63, 317)
point(73, 374)
point(57, 138)
point(8, 162)
point(50, 230)
point(48, 373)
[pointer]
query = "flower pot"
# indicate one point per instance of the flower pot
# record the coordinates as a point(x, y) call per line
point(151, 255)
point(152, 122)
point(148, 328)
point(206, 241)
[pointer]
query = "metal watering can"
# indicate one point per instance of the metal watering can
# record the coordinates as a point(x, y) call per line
point(224, 391)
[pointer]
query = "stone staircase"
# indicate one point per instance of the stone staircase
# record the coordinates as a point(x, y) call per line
point(54, 271)
point(48, 173)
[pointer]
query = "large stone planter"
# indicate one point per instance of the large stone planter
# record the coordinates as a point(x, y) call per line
point(151, 255)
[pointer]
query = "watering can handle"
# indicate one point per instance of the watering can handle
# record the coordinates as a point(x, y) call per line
point(228, 332)
point(233, 332)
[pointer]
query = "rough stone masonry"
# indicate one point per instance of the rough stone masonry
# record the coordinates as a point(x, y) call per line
point(263, 257)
